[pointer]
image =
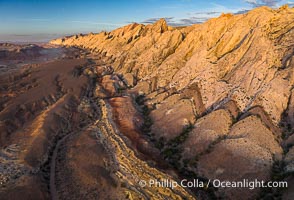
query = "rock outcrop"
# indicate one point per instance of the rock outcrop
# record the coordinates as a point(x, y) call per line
point(247, 58)
point(220, 93)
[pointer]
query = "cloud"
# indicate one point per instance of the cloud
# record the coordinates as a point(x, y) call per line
point(178, 22)
point(195, 17)
point(201, 16)
point(271, 2)
point(193, 20)
point(153, 20)
point(257, 3)
point(241, 11)
point(205, 13)
point(170, 20)
point(252, 2)
point(215, 10)
point(290, 3)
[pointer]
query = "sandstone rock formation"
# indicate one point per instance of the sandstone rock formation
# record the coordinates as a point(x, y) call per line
point(247, 58)
point(230, 78)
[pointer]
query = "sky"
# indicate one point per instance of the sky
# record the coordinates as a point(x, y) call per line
point(41, 20)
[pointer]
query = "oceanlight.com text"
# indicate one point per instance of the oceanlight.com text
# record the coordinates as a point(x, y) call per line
point(195, 183)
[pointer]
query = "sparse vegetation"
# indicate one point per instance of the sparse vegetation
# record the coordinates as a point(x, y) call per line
point(171, 150)
point(146, 127)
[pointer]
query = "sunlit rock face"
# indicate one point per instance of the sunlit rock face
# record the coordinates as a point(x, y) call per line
point(220, 93)
point(246, 58)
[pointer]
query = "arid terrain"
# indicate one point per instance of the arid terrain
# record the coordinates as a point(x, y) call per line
point(92, 116)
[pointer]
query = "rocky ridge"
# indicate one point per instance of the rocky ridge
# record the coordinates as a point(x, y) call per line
point(222, 89)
